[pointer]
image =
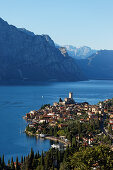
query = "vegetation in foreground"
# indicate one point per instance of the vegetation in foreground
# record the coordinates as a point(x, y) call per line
point(74, 157)
point(90, 145)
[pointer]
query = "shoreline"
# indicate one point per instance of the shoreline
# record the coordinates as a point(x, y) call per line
point(57, 139)
point(49, 138)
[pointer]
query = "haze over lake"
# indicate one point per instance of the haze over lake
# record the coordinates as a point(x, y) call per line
point(16, 101)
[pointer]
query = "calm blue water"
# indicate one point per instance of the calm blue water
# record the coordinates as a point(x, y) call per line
point(15, 101)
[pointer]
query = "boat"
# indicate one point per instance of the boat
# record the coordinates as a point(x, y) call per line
point(42, 136)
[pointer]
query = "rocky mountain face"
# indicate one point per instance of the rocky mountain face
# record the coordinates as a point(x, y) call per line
point(63, 51)
point(79, 53)
point(99, 65)
point(30, 57)
point(26, 31)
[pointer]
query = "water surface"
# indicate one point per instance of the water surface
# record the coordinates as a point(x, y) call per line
point(15, 101)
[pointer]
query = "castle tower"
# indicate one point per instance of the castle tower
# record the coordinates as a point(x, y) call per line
point(70, 95)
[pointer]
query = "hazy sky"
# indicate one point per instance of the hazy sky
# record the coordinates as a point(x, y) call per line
point(74, 22)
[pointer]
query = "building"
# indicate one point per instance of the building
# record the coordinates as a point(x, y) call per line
point(69, 100)
point(70, 95)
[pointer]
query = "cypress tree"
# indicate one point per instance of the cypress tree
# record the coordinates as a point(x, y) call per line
point(34, 163)
point(12, 164)
point(74, 142)
point(30, 159)
point(3, 163)
point(60, 100)
point(22, 159)
point(42, 158)
point(32, 154)
point(0, 163)
point(79, 128)
point(59, 156)
point(26, 164)
point(17, 164)
point(38, 155)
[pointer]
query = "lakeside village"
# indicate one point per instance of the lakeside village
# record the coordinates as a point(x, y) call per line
point(73, 123)
point(85, 130)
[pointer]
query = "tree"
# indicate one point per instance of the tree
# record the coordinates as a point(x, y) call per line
point(60, 100)
point(17, 164)
point(79, 128)
point(45, 105)
point(38, 155)
point(101, 156)
point(42, 158)
point(22, 159)
point(9, 162)
point(32, 154)
point(3, 162)
point(61, 133)
point(74, 142)
point(63, 166)
point(48, 161)
point(55, 131)
point(26, 164)
point(110, 129)
point(12, 164)
point(51, 131)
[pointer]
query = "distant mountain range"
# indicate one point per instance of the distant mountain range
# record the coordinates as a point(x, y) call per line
point(98, 65)
point(78, 53)
point(25, 56)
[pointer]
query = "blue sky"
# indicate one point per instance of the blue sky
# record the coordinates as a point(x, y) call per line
point(74, 22)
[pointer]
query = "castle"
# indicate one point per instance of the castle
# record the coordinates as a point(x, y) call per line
point(68, 100)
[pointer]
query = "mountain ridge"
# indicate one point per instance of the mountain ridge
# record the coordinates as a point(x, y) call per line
point(79, 53)
point(33, 58)
point(98, 65)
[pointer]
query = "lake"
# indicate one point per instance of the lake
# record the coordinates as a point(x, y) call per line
point(16, 101)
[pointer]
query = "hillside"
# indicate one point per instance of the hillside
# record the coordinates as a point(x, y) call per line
point(29, 57)
point(99, 65)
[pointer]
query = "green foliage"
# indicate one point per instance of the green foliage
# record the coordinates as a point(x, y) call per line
point(42, 158)
point(2, 162)
point(102, 138)
point(60, 100)
point(73, 157)
point(22, 159)
point(110, 129)
point(17, 164)
point(12, 164)
point(45, 105)
point(61, 133)
point(30, 129)
point(100, 156)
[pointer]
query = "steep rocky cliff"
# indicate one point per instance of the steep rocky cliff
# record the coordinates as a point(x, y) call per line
point(33, 58)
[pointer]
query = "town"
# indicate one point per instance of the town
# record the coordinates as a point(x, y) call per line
point(83, 135)
point(73, 123)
